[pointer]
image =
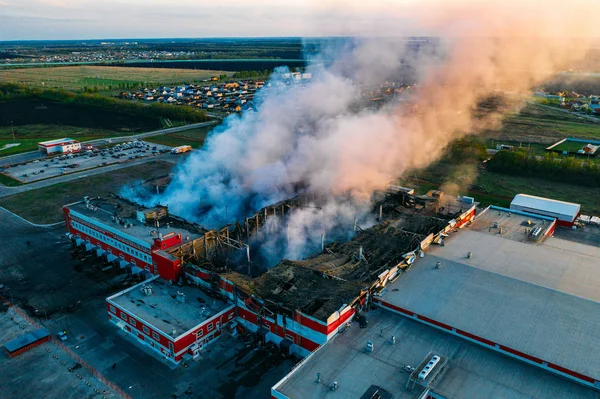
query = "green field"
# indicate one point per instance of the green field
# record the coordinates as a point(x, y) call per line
point(44, 205)
point(536, 124)
point(192, 137)
point(569, 146)
point(9, 181)
point(503, 186)
point(106, 79)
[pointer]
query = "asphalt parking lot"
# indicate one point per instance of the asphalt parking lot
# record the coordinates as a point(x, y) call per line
point(47, 370)
point(39, 169)
point(63, 292)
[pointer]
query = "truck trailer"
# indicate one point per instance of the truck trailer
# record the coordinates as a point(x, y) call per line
point(181, 149)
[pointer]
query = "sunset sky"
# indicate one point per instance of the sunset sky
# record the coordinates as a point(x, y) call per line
point(104, 19)
point(85, 19)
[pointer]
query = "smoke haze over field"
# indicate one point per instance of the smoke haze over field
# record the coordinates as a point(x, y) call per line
point(313, 138)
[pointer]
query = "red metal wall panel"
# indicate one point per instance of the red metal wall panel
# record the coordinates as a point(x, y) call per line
point(312, 324)
point(247, 315)
point(168, 269)
point(167, 241)
point(190, 338)
point(163, 340)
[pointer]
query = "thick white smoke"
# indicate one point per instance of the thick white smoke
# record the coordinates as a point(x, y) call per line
point(317, 136)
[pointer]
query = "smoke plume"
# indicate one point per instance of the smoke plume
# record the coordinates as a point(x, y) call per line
point(317, 136)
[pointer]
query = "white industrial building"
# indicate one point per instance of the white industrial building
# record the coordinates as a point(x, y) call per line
point(510, 311)
point(564, 212)
point(59, 146)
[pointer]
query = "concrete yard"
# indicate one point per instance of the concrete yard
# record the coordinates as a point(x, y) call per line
point(43, 371)
point(40, 169)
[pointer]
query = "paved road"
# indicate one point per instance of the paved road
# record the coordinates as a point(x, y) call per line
point(30, 156)
point(6, 191)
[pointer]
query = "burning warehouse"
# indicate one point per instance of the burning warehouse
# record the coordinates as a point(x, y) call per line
point(297, 304)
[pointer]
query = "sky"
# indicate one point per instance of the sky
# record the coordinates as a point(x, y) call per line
point(104, 19)
point(110, 19)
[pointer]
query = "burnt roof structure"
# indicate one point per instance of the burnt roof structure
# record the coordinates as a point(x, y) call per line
point(320, 285)
point(292, 286)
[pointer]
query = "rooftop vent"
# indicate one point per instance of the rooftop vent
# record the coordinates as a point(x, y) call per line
point(370, 346)
point(180, 297)
point(147, 290)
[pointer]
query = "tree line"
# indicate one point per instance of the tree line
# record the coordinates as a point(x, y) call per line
point(550, 166)
point(12, 91)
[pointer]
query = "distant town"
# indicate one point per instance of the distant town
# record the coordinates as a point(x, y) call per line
point(237, 96)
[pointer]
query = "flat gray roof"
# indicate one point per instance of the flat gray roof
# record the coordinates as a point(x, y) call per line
point(471, 371)
point(537, 298)
point(163, 311)
point(104, 210)
point(511, 224)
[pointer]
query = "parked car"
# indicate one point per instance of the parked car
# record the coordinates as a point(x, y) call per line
point(62, 335)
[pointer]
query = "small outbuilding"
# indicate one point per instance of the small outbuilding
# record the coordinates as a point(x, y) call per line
point(565, 212)
point(59, 146)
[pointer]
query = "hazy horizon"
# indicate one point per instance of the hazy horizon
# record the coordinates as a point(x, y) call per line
point(153, 19)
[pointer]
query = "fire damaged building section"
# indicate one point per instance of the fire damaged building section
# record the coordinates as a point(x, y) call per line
point(300, 304)
point(295, 304)
point(376, 249)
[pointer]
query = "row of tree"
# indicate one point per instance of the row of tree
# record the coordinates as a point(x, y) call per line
point(550, 166)
point(11, 91)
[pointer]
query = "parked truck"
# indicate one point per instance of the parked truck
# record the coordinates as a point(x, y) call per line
point(181, 149)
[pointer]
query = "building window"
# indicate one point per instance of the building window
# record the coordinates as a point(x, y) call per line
point(112, 309)
point(132, 321)
point(230, 316)
point(155, 336)
point(288, 336)
point(209, 327)
point(123, 316)
point(171, 347)
point(199, 333)
point(146, 330)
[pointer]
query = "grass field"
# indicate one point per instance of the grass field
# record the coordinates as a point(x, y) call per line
point(570, 146)
point(534, 124)
point(504, 186)
point(192, 137)
point(9, 181)
point(77, 77)
point(44, 205)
